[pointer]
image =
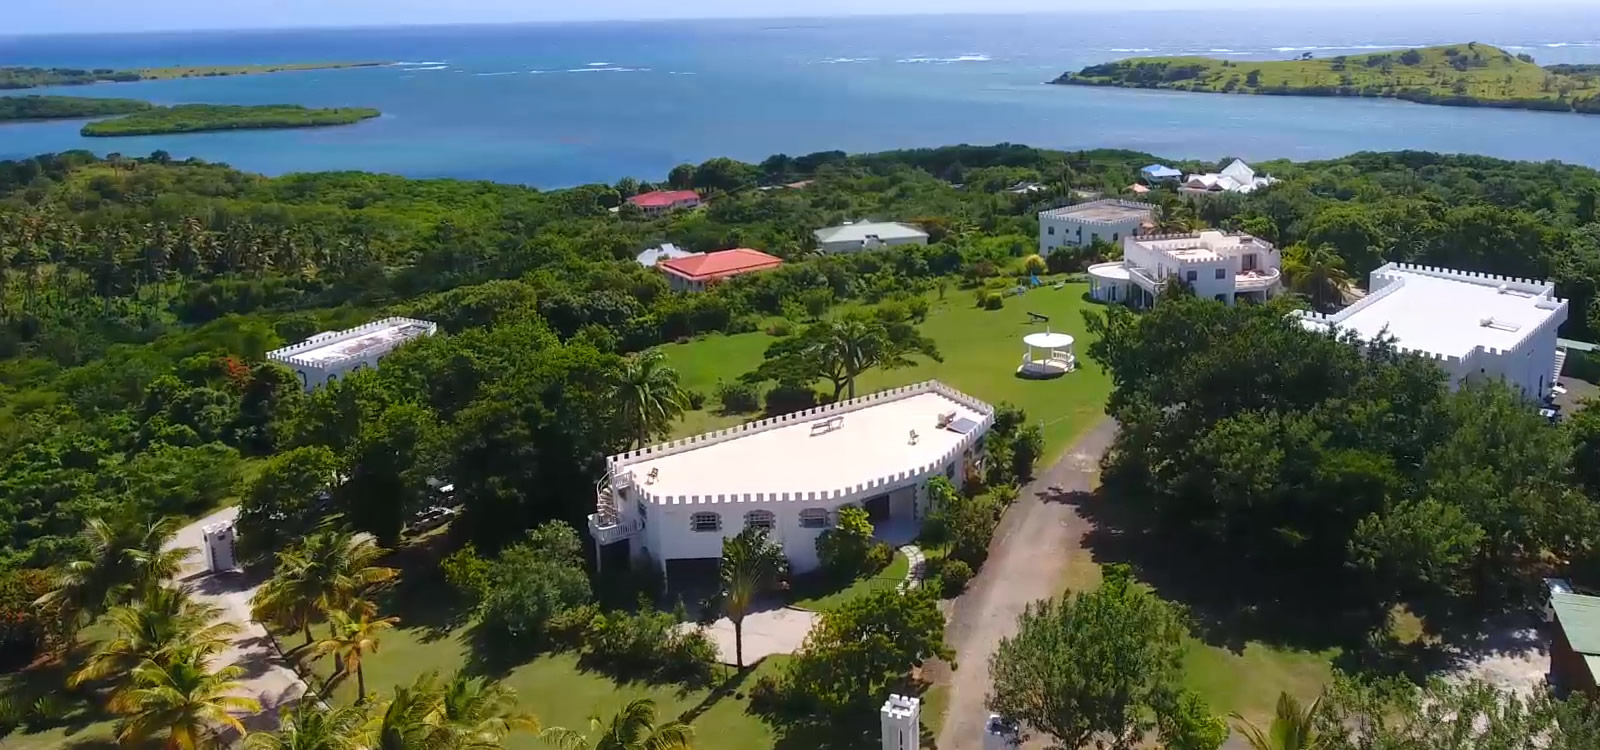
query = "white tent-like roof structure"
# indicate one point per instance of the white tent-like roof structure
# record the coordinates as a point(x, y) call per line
point(1048, 340)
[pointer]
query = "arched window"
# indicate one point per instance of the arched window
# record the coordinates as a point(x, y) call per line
point(705, 522)
point(813, 518)
point(760, 519)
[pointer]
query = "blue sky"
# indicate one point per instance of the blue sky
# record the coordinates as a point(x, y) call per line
point(65, 16)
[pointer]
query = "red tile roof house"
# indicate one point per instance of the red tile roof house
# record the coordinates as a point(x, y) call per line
point(695, 272)
point(665, 201)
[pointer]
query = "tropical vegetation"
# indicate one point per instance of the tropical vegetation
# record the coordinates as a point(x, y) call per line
point(64, 107)
point(1463, 75)
point(198, 118)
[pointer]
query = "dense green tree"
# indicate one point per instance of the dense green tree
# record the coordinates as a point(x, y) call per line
point(857, 651)
point(531, 582)
point(291, 495)
point(163, 625)
point(1098, 664)
point(390, 463)
point(307, 725)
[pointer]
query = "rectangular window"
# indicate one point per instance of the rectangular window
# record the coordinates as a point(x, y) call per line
point(1221, 273)
point(1192, 275)
point(1052, 231)
point(1115, 237)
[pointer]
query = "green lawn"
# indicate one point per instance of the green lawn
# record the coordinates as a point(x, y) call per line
point(1250, 682)
point(981, 350)
point(557, 690)
point(889, 577)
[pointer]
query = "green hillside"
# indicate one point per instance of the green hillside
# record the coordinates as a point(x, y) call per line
point(1467, 75)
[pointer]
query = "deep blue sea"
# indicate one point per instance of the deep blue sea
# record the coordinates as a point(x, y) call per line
point(555, 105)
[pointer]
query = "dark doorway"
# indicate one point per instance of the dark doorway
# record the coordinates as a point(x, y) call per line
point(878, 508)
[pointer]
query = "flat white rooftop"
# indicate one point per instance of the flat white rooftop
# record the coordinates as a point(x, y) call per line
point(1109, 211)
point(338, 346)
point(1448, 313)
point(823, 452)
point(862, 231)
point(1210, 245)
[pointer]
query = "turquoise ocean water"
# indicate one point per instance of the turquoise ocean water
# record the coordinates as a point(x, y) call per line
point(554, 105)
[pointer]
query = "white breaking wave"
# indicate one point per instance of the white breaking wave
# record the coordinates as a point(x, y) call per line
point(506, 73)
point(612, 69)
point(1132, 49)
point(961, 59)
point(847, 60)
point(424, 62)
point(430, 67)
point(599, 64)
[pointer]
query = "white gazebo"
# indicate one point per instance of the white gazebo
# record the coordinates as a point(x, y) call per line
point(1056, 349)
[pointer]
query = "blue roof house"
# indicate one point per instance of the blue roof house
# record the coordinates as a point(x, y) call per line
point(1159, 172)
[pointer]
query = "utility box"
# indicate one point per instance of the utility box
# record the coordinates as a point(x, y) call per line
point(1000, 733)
point(219, 547)
point(901, 719)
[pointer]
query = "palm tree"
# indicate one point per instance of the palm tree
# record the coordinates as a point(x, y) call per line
point(1176, 218)
point(122, 560)
point(632, 728)
point(354, 635)
point(478, 714)
point(183, 701)
point(161, 627)
point(751, 564)
point(309, 726)
point(410, 720)
point(330, 571)
point(647, 390)
point(1292, 728)
point(1317, 272)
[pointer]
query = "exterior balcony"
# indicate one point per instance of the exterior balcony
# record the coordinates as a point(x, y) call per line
point(607, 529)
point(1257, 280)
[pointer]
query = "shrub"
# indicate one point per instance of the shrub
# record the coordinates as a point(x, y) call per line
point(566, 628)
point(532, 582)
point(780, 328)
point(784, 399)
point(697, 400)
point(918, 308)
point(990, 300)
point(648, 644)
point(1026, 446)
point(879, 557)
point(954, 576)
point(467, 573)
point(846, 550)
point(738, 397)
point(1034, 264)
point(972, 523)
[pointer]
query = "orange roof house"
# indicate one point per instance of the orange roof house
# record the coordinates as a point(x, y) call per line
point(695, 271)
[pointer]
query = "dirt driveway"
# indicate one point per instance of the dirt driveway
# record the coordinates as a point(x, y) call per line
point(1028, 560)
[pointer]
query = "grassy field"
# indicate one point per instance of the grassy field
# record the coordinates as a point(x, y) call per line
point(1461, 74)
point(981, 350)
point(196, 118)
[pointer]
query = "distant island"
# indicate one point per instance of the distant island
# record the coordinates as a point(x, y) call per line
point(1462, 75)
point(27, 78)
point(14, 108)
point(196, 118)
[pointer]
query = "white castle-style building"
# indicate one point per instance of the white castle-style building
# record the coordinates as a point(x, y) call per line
point(1225, 266)
point(791, 475)
point(326, 357)
point(1108, 220)
point(1474, 325)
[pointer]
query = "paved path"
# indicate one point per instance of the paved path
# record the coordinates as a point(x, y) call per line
point(1027, 560)
point(266, 678)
